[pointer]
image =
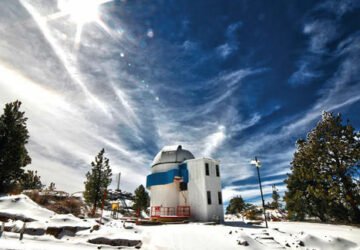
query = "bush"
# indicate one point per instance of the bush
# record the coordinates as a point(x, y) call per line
point(60, 205)
point(39, 199)
point(66, 206)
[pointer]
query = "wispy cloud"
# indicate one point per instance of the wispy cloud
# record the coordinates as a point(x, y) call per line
point(231, 45)
point(213, 141)
point(133, 87)
point(321, 33)
point(338, 7)
point(305, 73)
point(66, 58)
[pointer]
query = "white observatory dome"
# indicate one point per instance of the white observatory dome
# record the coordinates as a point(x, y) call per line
point(169, 157)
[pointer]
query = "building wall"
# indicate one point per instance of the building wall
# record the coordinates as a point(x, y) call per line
point(164, 195)
point(215, 211)
point(199, 184)
point(183, 197)
point(196, 190)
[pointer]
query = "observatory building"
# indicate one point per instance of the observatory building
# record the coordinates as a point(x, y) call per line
point(182, 187)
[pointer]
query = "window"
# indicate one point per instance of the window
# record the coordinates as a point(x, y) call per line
point(217, 171)
point(220, 198)
point(207, 169)
point(209, 197)
point(183, 186)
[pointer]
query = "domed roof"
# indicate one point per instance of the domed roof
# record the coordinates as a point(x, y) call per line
point(172, 154)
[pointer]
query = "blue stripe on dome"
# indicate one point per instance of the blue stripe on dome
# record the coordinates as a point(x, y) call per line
point(167, 177)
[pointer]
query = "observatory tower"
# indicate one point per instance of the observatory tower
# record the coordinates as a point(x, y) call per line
point(182, 187)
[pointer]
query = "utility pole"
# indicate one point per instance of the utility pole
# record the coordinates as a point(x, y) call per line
point(257, 164)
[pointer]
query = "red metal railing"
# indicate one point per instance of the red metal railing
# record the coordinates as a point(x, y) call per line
point(181, 211)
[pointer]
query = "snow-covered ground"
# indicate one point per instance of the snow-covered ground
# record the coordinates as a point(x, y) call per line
point(22, 207)
point(280, 235)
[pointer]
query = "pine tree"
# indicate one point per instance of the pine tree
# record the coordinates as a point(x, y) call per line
point(141, 199)
point(97, 180)
point(236, 205)
point(276, 197)
point(52, 186)
point(31, 180)
point(325, 173)
point(13, 138)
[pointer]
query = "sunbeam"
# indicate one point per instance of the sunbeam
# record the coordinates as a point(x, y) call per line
point(64, 58)
point(81, 12)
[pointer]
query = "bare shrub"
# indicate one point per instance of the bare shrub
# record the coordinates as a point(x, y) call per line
point(68, 205)
point(60, 205)
point(39, 199)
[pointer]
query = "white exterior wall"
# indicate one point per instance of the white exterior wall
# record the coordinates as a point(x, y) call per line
point(164, 195)
point(215, 211)
point(196, 190)
point(199, 184)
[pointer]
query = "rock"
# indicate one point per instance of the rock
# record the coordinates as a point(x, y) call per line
point(115, 242)
point(138, 246)
point(34, 231)
point(243, 243)
point(301, 243)
point(59, 232)
point(287, 245)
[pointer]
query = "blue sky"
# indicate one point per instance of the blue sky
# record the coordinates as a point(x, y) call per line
point(226, 79)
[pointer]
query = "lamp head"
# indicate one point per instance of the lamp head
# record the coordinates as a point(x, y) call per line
point(256, 162)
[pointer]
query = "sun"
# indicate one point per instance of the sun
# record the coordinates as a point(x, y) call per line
point(81, 12)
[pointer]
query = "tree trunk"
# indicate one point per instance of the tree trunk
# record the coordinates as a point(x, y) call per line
point(97, 193)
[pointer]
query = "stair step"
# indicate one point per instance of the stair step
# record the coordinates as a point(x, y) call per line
point(266, 238)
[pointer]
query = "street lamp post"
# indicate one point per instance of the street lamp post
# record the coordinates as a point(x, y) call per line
point(257, 164)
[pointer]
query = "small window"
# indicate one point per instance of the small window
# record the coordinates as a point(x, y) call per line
point(217, 171)
point(207, 169)
point(220, 198)
point(209, 197)
point(183, 186)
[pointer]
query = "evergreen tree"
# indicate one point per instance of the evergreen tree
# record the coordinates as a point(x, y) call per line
point(236, 205)
point(97, 180)
point(325, 173)
point(13, 138)
point(276, 197)
point(141, 199)
point(52, 186)
point(31, 180)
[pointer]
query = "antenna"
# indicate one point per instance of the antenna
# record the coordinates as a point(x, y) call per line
point(118, 183)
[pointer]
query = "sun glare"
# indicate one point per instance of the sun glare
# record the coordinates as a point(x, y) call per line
point(80, 11)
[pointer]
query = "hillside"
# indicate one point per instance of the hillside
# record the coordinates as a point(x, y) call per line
point(48, 230)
